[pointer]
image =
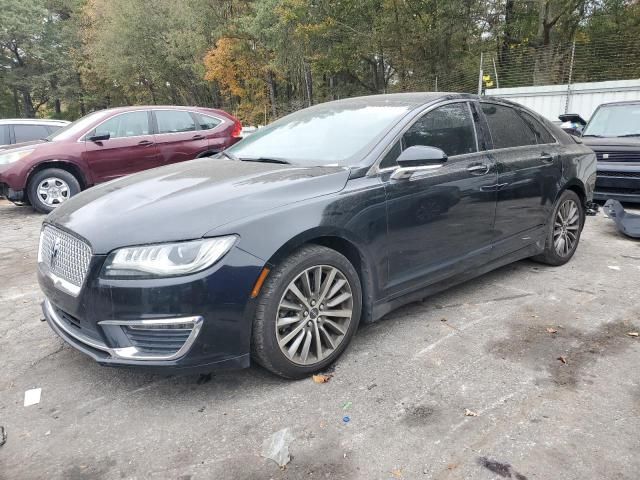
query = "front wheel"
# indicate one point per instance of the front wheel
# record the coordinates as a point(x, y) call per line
point(308, 310)
point(51, 187)
point(564, 229)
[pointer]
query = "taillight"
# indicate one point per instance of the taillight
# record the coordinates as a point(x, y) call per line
point(237, 130)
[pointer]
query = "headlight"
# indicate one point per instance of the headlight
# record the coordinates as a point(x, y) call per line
point(167, 259)
point(12, 157)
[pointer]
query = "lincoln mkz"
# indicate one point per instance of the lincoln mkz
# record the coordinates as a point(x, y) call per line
point(276, 250)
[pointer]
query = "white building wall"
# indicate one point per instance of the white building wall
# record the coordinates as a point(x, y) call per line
point(584, 98)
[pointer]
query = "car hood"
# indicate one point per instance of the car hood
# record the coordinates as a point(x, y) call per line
point(603, 143)
point(21, 146)
point(186, 200)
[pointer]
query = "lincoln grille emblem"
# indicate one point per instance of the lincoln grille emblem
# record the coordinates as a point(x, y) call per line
point(54, 252)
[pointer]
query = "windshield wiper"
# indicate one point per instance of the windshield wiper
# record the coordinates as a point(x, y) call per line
point(266, 160)
point(629, 135)
point(592, 135)
point(230, 156)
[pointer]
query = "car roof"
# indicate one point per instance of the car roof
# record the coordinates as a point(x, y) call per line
point(32, 121)
point(408, 99)
point(624, 102)
point(156, 107)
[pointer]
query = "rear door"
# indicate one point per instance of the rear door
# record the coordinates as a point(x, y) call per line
point(178, 136)
point(213, 128)
point(529, 168)
point(440, 222)
point(129, 149)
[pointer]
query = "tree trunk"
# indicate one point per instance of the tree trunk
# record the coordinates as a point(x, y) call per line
point(16, 102)
point(57, 109)
point(271, 82)
point(308, 80)
point(27, 104)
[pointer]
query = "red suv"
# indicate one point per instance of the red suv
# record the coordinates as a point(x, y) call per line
point(109, 144)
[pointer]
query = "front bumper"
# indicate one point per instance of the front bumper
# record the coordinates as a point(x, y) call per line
point(187, 324)
point(10, 194)
point(619, 181)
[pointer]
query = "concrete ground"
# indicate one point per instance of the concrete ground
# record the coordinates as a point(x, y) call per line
point(405, 383)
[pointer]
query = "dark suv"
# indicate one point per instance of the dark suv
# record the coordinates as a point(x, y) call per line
point(614, 134)
point(109, 144)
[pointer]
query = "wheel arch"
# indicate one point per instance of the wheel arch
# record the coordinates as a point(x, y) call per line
point(576, 186)
point(208, 153)
point(70, 167)
point(343, 245)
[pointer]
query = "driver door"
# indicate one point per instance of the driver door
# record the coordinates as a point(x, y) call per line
point(130, 148)
point(440, 222)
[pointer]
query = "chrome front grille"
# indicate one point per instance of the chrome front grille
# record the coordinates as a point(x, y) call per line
point(65, 257)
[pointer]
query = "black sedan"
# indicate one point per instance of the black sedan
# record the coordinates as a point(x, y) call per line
point(334, 215)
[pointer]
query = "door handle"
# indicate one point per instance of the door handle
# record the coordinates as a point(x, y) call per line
point(145, 143)
point(547, 158)
point(480, 169)
point(197, 137)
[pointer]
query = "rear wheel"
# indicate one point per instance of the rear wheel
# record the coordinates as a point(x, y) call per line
point(565, 227)
point(51, 187)
point(308, 310)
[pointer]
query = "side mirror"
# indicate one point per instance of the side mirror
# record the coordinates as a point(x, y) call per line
point(99, 138)
point(418, 158)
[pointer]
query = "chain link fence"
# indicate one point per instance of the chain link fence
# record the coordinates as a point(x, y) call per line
point(595, 60)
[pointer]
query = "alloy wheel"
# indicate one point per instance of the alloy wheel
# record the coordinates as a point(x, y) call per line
point(314, 314)
point(565, 228)
point(53, 191)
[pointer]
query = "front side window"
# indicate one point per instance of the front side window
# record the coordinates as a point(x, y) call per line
point(506, 127)
point(449, 128)
point(174, 121)
point(614, 121)
point(26, 133)
point(130, 124)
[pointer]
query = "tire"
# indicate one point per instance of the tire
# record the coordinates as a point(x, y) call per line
point(557, 252)
point(319, 322)
point(64, 186)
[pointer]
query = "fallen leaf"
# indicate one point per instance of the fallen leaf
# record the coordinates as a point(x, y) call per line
point(469, 413)
point(551, 330)
point(633, 334)
point(443, 319)
point(322, 378)
point(562, 359)
point(397, 473)
point(452, 466)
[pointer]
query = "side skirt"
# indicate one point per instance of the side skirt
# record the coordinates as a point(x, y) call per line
point(385, 306)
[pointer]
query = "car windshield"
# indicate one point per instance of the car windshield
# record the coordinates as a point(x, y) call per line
point(615, 121)
point(327, 134)
point(73, 129)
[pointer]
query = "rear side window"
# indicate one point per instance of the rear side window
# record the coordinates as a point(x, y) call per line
point(542, 134)
point(449, 128)
point(506, 127)
point(174, 121)
point(206, 122)
point(132, 124)
point(4, 135)
point(26, 133)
